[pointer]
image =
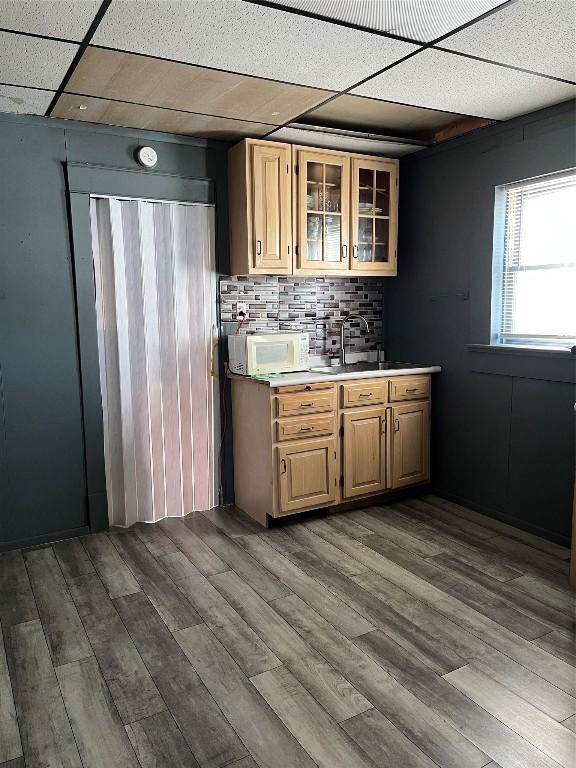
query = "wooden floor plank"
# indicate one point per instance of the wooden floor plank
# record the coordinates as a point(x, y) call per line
point(72, 558)
point(435, 737)
point(343, 523)
point(130, 684)
point(328, 686)
point(47, 738)
point(97, 728)
point(334, 610)
point(246, 647)
point(559, 645)
point(10, 744)
point(174, 608)
point(384, 615)
point(418, 565)
point(530, 560)
point(158, 743)
point(570, 723)
point(384, 743)
point(154, 539)
point(313, 543)
point(540, 589)
point(527, 685)
point(319, 735)
point(193, 547)
point(510, 591)
point(267, 585)
point(65, 634)
point(439, 514)
point(115, 574)
point(490, 735)
point(534, 726)
point(269, 742)
point(524, 652)
point(378, 523)
point(17, 602)
point(462, 513)
point(232, 521)
point(208, 734)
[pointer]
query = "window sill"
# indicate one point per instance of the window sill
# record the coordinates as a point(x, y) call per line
point(509, 349)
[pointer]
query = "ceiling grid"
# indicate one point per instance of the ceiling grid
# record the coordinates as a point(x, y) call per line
point(232, 68)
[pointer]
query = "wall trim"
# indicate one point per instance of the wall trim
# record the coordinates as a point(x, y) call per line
point(45, 538)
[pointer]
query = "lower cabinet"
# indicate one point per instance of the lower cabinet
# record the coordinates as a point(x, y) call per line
point(364, 452)
point(307, 474)
point(410, 451)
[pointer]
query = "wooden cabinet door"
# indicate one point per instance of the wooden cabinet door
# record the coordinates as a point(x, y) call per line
point(322, 214)
point(410, 456)
point(271, 209)
point(373, 216)
point(364, 452)
point(307, 474)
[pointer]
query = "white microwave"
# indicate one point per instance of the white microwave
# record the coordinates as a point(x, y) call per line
point(260, 354)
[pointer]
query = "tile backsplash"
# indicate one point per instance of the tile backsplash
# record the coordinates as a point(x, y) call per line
point(310, 304)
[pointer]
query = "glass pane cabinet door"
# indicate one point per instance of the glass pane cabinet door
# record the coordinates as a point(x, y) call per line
point(323, 184)
point(374, 195)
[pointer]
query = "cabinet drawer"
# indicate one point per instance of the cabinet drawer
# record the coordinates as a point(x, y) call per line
point(320, 385)
point(365, 393)
point(409, 388)
point(306, 402)
point(296, 429)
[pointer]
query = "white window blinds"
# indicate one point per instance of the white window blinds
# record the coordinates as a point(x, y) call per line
point(534, 287)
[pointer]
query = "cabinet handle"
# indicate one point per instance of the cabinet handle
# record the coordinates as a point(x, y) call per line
point(344, 252)
point(412, 389)
point(355, 252)
point(396, 425)
point(283, 466)
point(258, 247)
point(365, 394)
point(306, 429)
point(306, 405)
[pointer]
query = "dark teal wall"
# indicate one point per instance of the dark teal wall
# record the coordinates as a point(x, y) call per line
point(42, 472)
point(503, 426)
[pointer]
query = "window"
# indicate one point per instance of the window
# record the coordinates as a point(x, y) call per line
point(534, 276)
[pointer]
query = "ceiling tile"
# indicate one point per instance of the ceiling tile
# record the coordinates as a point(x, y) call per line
point(458, 84)
point(160, 83)
point(154, 118)
point(69, 19)
point(538, 35)
point(250, 39)
point(33, 61)
point(344, 143)
point(416, 19)
point(24, 101)
point(384, 117)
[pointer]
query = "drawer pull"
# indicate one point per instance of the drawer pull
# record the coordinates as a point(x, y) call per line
point(365, 394)
point(306, 429)
point(411, 389)
point(307, 405)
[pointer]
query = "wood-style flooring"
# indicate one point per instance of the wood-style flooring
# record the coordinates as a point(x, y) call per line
point(416, 635)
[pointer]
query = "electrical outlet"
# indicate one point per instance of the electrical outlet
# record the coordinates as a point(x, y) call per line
point(242, 307)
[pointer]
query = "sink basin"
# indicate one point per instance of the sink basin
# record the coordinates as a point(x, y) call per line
point(363, 365)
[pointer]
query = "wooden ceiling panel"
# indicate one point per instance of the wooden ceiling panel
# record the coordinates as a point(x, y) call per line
point(382, 117)
point(156, 82)
point(128, 115)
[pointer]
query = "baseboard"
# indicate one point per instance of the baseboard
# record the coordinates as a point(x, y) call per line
point(557, 538)
point(45, 538)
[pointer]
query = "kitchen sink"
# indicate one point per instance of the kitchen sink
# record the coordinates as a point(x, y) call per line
point(363, 365)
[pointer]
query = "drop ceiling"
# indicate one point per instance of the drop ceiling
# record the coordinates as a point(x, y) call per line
point(404, 73)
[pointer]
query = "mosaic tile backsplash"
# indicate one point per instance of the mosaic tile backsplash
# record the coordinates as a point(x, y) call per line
point(310, 304)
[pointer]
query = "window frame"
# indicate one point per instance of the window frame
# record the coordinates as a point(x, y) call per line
point(497, 334)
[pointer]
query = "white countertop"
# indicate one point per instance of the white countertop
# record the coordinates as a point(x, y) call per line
point(312, 377)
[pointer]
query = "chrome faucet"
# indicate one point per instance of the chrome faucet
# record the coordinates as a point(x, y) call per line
point(353, 316)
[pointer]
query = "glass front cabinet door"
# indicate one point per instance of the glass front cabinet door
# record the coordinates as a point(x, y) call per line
point(373, 212)
point(323, 184)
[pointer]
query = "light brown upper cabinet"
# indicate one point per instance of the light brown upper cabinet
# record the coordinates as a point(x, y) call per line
point(308, 211)
point(374, 203)
point(321, 220)
point(260, 200)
